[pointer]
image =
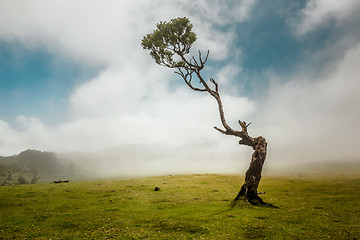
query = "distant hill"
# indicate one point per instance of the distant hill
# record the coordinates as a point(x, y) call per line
point(8, 160)
point(28, 167)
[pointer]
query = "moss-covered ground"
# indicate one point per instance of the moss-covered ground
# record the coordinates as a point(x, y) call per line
point(186, 207)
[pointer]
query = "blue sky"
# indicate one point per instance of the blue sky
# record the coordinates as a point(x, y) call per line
point(73, 76)
point(37, 83)
point(267, 40)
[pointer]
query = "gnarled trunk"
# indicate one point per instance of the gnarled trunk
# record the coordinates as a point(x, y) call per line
point(248, 190)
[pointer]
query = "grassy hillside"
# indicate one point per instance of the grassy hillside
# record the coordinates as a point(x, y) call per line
point(186, 207)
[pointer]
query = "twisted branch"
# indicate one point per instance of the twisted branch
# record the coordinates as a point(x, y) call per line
point(193, 66)
point(187, 78)
point(216, 86)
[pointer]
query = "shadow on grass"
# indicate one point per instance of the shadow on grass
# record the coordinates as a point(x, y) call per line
point(256, 203)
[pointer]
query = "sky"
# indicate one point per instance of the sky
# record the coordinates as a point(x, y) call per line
point(74, 77)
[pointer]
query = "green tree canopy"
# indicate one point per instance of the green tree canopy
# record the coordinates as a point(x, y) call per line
point(170, 38)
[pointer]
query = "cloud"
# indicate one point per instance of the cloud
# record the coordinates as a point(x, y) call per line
point(117, 90)
point(215, 11)
point(320, 12)
point(131, 96)
point(104, 32)
point(304, 116)
point(8, 143)
point(91, 31)
point(132, 100)
point(315, 119)
point(181, 119)
point(310, 115)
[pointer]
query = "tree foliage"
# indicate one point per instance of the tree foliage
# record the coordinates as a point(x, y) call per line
point(170, 38)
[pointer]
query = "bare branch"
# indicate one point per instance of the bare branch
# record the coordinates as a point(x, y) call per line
point(220, 130)
point(187, 78)
point(216, 86)
point(201, 61)
point(194, 67)
point(195, 88)
point(207, 55)
point(186, 61)
point(195, 62)
point(244, 126)
point(180, 73)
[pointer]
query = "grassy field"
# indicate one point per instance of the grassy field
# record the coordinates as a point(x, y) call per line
point(186, 207)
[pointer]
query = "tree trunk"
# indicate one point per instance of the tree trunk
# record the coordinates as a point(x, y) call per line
point(248, 190)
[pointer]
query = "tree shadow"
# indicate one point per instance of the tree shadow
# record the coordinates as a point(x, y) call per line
point(253, 202)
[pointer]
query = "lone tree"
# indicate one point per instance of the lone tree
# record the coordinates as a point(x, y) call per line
point(169, 45)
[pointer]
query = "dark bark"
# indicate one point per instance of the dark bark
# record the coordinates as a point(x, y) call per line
point(248, 190)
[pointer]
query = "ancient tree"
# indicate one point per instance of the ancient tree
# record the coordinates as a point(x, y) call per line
point(169, 45)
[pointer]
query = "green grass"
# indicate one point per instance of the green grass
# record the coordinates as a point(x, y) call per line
point(186, 207)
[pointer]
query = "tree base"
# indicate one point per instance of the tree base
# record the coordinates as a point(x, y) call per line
point(248, 191)
point(253, 200)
